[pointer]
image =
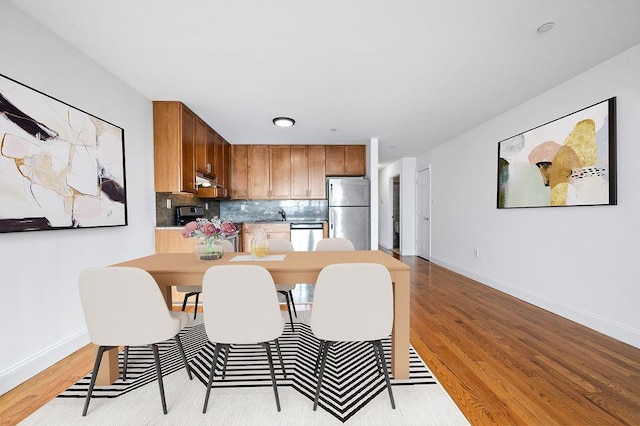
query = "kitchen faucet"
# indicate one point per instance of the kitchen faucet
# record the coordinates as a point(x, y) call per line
point(283, 214)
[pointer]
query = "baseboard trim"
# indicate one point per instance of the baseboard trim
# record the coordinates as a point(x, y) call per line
point(605, 326)
point(26, 369)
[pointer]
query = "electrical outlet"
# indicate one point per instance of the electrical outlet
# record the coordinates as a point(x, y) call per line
point(206, 206)
point(476, 253)
point(168, 203)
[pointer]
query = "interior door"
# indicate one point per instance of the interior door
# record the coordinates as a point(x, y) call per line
point(423, 214)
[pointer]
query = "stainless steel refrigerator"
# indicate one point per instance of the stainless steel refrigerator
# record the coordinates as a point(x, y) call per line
point(349, 214)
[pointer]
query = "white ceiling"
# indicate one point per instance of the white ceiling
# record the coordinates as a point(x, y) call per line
point(413, 73)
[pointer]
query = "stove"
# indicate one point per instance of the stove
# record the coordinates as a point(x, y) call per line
point(186, 214)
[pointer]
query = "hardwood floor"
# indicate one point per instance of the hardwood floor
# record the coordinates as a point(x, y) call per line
point(503, 361)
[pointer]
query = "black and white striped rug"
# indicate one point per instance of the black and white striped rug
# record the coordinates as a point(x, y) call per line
point(351, 375)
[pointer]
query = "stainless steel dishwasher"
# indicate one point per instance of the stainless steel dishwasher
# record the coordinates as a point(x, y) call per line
point(305, 235)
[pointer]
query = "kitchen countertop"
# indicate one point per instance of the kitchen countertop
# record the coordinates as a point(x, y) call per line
point(239, 224)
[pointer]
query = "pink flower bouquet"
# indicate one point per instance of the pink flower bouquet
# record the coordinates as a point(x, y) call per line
point(208, 229)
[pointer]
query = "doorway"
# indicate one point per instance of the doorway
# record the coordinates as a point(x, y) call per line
point(395, 216)
point(423, 214)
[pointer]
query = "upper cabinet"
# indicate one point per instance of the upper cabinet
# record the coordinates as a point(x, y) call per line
point(183, 145)
point(224, 166)
point(346, 160)
point(308, 172)
point(239, 172)
point(279, 171)
point(174, 147)
point(204, 148)
point(295, 172)
point(269, 172)
point(258, 172)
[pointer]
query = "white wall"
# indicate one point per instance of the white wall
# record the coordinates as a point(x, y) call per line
point(41, 317)
point(406, 169)
point(579, 262)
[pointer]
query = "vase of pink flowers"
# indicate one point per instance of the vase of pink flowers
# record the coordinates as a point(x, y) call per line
point(209, 233)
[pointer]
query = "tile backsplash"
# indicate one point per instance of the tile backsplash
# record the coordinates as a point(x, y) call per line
point(254, 210)
point(166, 216)
point(241, 210)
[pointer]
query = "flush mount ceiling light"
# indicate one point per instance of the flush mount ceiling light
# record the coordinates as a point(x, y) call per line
point(548, 26)
point(284, 121)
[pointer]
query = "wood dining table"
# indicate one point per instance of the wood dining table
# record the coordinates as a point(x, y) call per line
point(172, 269)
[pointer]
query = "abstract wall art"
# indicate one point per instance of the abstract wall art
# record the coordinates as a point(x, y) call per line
point(60, 167)
point(570, 161)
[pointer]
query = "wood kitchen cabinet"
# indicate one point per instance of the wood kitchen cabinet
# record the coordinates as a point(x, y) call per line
point(296, 172)
point(239, 172)
point(269, 172)
point(183, 145)
point(308, 172)
point(346, 160)
point(258, 172)
point(226, 166)
point(174, 147)
point(299, 171)
point(204, 146)
point(280, 172)
point(317, 172)
point(271, 229)
point(221, 161)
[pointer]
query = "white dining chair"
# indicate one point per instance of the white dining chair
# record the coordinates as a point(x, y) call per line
point(334, 244)
point(281, 245)
point(110, 317)
point(195, 290)
point(336, 318)
point(260, 320)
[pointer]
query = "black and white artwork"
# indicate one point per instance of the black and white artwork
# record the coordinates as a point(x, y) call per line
point(60, 167)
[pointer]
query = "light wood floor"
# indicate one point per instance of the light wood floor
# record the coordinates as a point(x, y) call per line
point(503, 361)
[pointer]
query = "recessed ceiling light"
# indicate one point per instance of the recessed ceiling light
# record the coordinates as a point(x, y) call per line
point(546, 27)
point(284, 121)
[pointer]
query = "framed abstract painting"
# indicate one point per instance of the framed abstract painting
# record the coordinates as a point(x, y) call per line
point(60, 167)
point(570, 161)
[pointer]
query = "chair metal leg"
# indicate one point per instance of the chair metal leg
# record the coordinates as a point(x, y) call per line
point(293, 305)
point(227, 351)
point(216, 352)
point(280, 356)
point(124, 364)
point(186, 298)
point(195, 308)
point(184, 301)
point(320, 348)
point(323, 362)
point(378, 346)
point(267, 346)
point(286, 296)
point(376, 355)
point(183, 355)
point(156, 358)
point(96, 365)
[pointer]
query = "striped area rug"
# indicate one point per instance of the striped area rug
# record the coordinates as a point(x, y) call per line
point(351, 376)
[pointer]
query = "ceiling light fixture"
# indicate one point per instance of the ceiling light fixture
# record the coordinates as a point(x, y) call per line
point(548, 26)
point(284, 121)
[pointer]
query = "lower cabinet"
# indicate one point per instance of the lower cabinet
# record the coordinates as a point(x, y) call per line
point(272, 229)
